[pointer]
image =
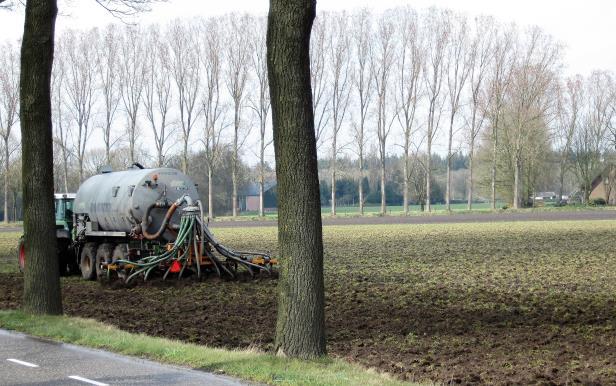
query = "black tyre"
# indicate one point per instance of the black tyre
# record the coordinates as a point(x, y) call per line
point(103, 255)
point(64, 256)
point(87, 263)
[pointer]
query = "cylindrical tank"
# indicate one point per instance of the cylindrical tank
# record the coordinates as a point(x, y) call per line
point(117, 201)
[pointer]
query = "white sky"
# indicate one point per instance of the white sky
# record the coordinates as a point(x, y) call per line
point(587, 28)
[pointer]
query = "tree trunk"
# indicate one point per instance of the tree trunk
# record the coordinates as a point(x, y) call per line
point(470, 176)
point(234, 162)
point(333, 167)
point(262, 175)
point(406, 182)
point(493, 172)
point(449, 155)
point(210, 193)
point(383, 194)
point(300, 328)
point(429, 175)
point(41, 278)
point(361, 183)
point(516, 184)
point(6, 182)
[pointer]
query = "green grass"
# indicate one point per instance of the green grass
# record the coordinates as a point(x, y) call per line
point(415, 210)
point(246, 364)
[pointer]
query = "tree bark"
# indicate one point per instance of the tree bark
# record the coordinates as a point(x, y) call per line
point(41, 278)
point(300, 329)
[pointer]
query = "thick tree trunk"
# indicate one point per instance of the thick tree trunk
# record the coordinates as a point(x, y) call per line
point(41, 279)
point(300, 329)
point(210, 193)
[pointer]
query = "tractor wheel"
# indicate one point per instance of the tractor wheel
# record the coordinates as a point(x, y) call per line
point(88, 261)
point(21, 257)
point(103, 255)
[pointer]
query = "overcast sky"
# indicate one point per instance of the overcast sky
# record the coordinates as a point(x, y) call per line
point(587, 28)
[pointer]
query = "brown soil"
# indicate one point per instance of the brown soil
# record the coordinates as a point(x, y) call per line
point(527, 304)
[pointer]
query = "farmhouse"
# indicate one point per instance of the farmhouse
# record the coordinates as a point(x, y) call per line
point(604, 186)
point(249, 198)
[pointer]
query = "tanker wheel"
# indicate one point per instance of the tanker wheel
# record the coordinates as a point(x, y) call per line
point(21, 250)
point(103, 255)
point(87, 262)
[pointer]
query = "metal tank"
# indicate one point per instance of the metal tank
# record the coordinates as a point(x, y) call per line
point(118, 201)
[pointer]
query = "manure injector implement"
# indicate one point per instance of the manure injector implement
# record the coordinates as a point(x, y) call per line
point(140, 222)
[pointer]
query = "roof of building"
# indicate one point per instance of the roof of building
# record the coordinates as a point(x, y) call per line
point(252, 189)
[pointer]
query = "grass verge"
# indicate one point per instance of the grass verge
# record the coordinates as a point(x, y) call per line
point(250, 365)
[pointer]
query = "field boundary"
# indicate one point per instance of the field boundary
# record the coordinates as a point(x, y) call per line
point(249, 365)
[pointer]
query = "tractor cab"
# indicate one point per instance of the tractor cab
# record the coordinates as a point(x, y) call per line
point(64, 211)
point(64, 227)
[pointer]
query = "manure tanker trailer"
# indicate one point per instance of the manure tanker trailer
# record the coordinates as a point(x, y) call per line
point(140, 222)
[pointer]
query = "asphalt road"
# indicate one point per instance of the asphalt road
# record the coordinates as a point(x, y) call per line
point(26, 360)
point(443, 219)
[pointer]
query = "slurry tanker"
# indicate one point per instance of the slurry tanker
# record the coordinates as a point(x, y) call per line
point(138, 223)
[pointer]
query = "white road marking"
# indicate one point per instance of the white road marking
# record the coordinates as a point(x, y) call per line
point(86, 380)
point(22, 362)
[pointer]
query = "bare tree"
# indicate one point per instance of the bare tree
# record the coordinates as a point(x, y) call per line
point(340, 67)
point(498, 85)
point(568, 114)
point(260, 103)
point(80, 89)
point(238, 60)
point(383, 57)
point(157, 96)
point(212, 107)
point(61, 133)
point(437, 32)
point(480, 59)
point(408, 90)
point(319, 76)
point(458, 69)
point(186, 69)
point(9, 111)
point(109, 81)
point(132, 81)
point(590, 138)
point(364, 86)
point(530, 100)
